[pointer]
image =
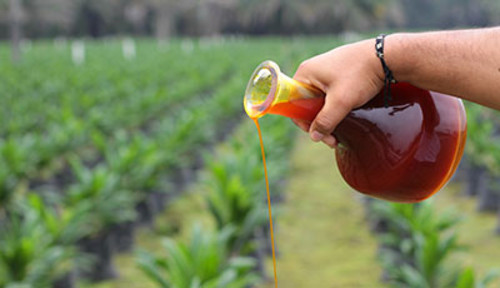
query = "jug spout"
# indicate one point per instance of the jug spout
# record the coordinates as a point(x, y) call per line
point(271, 91)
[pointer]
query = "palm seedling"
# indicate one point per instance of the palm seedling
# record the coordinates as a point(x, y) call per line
point(31, 255)
point(8, 183)
point(468, 279)
point(236, 198)
point(417, 244)
point(278, 133)
point(432, 271)
point(183, 138)
point(203, 263)
point(137, 161)
point(68, 132)
point(486, 136)
point(231, 203)
point(97, 195)
point(191, 133)
point(478, 150)
point(19, 155)
point(18, 163)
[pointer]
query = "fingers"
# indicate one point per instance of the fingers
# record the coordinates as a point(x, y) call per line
point(306, 73)
point(330, 141)
point(306, 126)
point(325, 122)
point(335, 109)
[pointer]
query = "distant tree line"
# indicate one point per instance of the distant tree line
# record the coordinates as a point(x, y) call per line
point(165, 18)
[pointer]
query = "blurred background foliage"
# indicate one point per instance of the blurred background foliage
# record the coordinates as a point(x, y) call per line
point(164, 18)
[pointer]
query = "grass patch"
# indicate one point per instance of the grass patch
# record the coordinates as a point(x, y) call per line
point(322, 238)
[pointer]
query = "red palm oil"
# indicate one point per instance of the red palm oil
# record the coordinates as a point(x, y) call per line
point(271, 229)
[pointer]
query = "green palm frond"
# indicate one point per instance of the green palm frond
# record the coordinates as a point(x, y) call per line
point(32, 252)
point(98, 197)
point(417, 244)
point(203, 262)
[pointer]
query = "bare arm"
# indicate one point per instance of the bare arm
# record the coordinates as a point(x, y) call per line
point(464, 63)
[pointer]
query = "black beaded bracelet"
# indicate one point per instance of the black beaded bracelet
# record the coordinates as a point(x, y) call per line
point(389, 78)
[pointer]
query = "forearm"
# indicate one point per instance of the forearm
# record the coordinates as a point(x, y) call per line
point(464, 63)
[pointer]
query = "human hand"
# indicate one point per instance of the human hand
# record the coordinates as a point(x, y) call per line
point(350, 76)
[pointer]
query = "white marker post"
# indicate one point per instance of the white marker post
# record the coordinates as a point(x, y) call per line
point(128, 49)
point(78, 52)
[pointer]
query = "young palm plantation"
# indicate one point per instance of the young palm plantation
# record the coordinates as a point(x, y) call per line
point(94, 154)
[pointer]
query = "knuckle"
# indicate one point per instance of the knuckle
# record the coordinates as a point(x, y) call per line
point(342, 103)
point(323, 123)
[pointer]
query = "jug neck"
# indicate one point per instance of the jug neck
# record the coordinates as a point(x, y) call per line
point(271, 91)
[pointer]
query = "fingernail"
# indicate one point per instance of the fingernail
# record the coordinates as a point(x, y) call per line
point(316, 136)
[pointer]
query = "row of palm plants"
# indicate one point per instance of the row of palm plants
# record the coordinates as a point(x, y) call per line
point(65, 121)
point(148, 85)
point(46, 118)
point(418, 247)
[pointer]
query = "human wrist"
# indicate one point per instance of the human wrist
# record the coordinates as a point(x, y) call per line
point(399, 56)
point(366, 56)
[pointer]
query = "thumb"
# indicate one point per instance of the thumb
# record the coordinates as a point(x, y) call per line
point(335, 110)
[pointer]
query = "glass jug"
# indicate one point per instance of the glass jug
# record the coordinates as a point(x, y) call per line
point(403, 152)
